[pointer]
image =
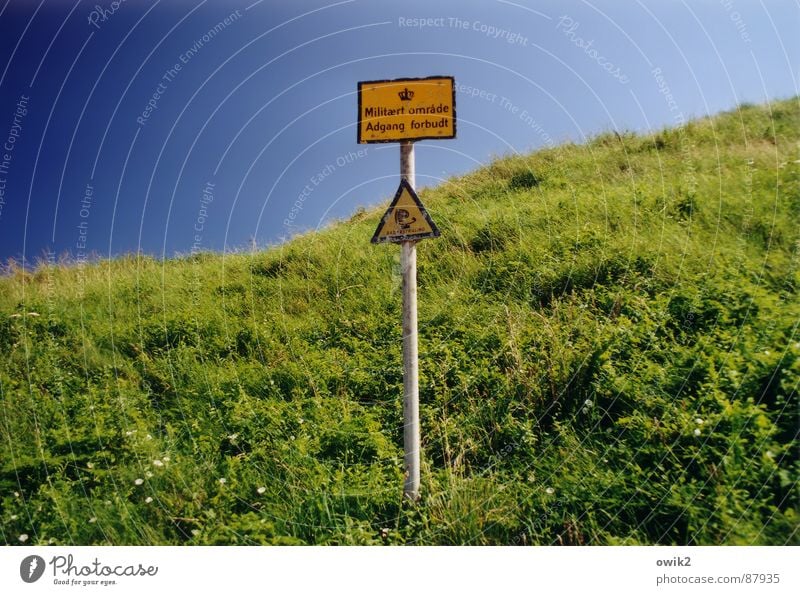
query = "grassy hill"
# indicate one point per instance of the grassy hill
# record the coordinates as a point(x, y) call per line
point(609, 355)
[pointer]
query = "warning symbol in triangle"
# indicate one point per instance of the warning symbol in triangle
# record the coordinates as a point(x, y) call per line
point(406, 219)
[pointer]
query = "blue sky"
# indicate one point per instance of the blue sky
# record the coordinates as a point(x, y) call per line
point(115, 150)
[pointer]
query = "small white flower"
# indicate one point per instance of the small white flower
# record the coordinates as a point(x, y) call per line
point(93, 519)
point(148, 474)
point(588, 403)
point(149, 499)
point(138, 481)
point(770, 454)
point(129, 433)
point(222, 480)
point(149, 437)
point(550, 490)
point(14, 517)
point(16, 494)
point(697, 431)
point(698, 421)
point(90, 465)
point(232, 437)
point(261, 490)
point(166, 458)
point(23, 538)
point(195, 532)
point(157, 463)
point(291, 437)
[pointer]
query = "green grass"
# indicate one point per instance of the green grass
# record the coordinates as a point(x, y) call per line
point(584, 307)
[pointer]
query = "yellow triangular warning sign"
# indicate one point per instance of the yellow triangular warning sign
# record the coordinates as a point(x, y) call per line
point(406, 219)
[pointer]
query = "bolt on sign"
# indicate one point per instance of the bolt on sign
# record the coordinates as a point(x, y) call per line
point(406, 109)
point(406, 219)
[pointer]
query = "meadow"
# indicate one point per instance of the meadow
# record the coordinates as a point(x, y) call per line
point(609, 354)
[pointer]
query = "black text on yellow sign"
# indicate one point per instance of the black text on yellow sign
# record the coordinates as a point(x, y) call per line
point(406, 219)
point(406, 109)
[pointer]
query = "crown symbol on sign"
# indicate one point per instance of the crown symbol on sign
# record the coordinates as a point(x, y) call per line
point(406, 95)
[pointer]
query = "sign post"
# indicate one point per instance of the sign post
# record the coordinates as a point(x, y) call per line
point(405, 110)
point(408, 268)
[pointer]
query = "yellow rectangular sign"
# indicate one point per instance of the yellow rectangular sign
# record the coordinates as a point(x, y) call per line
point(406, 109)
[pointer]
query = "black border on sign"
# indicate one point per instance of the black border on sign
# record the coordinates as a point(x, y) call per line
point(413, 138)
point(435, 233)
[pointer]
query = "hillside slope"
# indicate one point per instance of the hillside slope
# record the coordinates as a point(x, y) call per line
point(609, 354)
